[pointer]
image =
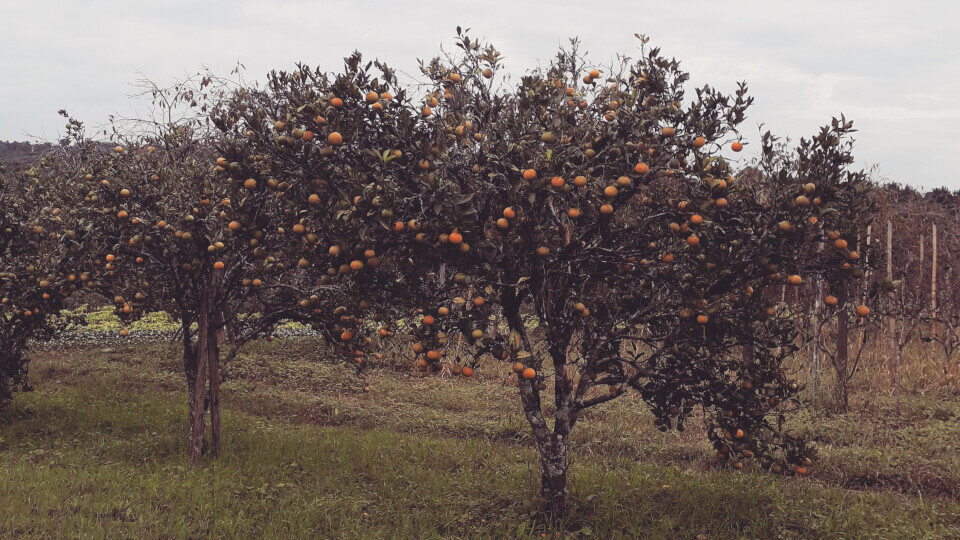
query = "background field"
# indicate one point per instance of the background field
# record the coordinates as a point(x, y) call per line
point(98, 448)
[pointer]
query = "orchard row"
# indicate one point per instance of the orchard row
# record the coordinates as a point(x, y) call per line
point(585, 225)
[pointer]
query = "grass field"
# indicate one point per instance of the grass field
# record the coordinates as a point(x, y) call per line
point(98, 449)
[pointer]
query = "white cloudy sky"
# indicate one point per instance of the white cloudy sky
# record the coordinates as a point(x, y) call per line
point(893, 67)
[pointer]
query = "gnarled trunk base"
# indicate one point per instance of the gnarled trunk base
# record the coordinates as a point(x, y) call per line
point(553, 476)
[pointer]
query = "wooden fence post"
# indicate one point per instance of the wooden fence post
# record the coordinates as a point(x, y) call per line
point(894, 360)
point(933, 283)
point(815, 342)
point(866, 283)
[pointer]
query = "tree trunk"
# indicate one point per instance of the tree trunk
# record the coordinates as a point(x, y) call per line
point(213, 361)
point(553, 452)
point(189, 361)
point(553, 475)
point(197, 409)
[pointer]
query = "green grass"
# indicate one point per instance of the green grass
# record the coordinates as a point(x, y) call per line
point(98, 449)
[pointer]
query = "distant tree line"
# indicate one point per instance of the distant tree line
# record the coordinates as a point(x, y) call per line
point(13, 153)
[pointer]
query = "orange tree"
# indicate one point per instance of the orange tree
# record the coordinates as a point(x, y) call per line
point(335, 150)
point(38, 247)
point(819, 231)
point(593, 213)
point(183, 229)
point(596, 220)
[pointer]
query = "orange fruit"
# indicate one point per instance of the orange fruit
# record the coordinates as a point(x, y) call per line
point(218, 265)
point(334, 138)
point(467, 371)
point(863, 311)
point(830, 300)
point(509, 213)
point(736, 146)
point(529, 373)
point(642, 168)
point(529, 174)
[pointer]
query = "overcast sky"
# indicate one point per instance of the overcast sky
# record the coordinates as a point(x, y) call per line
point(892, 67)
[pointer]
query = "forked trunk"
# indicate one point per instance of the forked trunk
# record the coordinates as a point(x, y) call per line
point(552, 447)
